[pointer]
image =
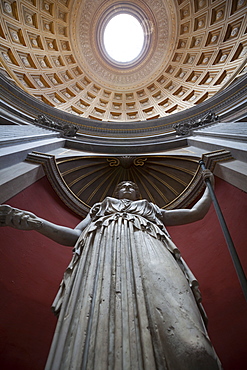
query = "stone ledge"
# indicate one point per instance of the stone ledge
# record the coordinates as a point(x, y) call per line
point(16, 178)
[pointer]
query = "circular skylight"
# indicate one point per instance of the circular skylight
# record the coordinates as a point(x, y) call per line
point(123, 38)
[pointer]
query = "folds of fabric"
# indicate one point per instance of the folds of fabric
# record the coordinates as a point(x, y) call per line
point(125, 303)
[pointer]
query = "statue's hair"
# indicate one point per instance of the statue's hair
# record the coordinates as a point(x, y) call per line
point(119, 186)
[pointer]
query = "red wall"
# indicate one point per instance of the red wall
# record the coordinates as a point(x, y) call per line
point(31, 268)
point(203, 246)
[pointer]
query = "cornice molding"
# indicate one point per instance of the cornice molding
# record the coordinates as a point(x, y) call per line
point(22, 104)
point(172, 181)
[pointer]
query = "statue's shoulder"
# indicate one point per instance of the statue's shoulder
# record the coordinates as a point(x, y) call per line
point(146, 202)
point(111, 199)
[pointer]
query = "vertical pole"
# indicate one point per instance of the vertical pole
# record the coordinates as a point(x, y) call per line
point(231, 248)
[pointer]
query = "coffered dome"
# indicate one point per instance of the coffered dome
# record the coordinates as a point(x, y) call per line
point(54, 50)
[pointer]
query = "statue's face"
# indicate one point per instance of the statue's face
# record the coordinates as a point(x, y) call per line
point(127, 191)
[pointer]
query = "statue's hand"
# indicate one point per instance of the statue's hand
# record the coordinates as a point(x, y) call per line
point(18, 219)
point(207, 174)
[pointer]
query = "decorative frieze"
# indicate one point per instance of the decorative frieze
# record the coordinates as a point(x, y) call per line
point(68, 129)
point(185, 128)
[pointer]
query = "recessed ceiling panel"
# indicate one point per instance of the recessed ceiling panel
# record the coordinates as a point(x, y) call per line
point(161, 179)
point(54, 50)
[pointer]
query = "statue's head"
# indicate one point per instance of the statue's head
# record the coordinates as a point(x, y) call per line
point(127, 190)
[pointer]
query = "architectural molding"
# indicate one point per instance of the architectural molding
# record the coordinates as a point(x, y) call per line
point(66, 129)
point(221, 104)
point(186, 128)
point(174, 181)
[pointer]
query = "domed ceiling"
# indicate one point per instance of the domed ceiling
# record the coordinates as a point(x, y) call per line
point(54, 50)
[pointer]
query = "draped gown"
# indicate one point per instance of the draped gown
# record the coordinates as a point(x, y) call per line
point(126, 301)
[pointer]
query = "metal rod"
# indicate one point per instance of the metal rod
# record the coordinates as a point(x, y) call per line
point(231, 247)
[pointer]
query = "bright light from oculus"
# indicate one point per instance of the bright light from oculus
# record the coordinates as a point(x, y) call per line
point(123, 38)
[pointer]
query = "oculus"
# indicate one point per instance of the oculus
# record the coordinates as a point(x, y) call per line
point(123, 38)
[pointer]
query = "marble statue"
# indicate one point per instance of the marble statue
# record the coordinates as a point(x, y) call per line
point(127, 299)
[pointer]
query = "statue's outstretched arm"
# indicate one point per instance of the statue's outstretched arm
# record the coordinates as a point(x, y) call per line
point(196, 213)
point(81, 226)
point(24, 220)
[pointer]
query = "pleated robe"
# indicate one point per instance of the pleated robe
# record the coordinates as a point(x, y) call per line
point(126, 301)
